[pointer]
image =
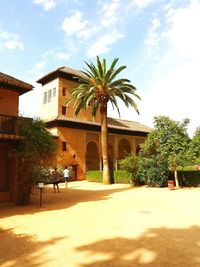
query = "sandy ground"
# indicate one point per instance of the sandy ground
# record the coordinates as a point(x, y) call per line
point(93, 225)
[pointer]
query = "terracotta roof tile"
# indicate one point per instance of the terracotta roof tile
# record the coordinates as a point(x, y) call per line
point(115, 124)
point(9, 81)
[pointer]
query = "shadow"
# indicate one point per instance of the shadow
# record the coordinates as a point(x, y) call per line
point(63, 200)
point(22, 249)
point(162, 247)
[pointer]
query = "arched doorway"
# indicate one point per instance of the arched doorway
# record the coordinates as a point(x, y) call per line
point(138, 148)
point(124, 148)
point(92, 157)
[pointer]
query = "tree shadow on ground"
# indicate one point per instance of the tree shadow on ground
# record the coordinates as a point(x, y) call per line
point(54, 201)
point(22, 249)
point(162, 247)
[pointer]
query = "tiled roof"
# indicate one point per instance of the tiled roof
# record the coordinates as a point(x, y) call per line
point(114, 124)
point(128, 125)
point(66, 71)
point(76, 73)
point(14, 84)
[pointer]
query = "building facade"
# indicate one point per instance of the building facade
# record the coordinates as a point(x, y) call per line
point(79, 139)
point(10, 90)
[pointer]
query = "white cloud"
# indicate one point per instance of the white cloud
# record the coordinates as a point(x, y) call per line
point(176, 91)
point(183, 33)
point(37, 70)
point(142, 3)
point(74, 25)
point(102, 45)
point(10, 40)
point(30, 103)
point(61, 55)
point(46, 4)
point(176, 96)
point(40, 65)
point(110, 13)
point(153, 37)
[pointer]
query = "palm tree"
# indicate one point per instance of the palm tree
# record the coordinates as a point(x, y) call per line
point(96, 87)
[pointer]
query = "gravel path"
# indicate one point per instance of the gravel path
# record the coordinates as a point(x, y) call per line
point(97, 225)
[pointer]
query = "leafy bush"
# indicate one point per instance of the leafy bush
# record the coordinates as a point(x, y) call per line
point(153, 172)
point(131, 165)
point(35, 153)
point(119, 176)
point(189, 178)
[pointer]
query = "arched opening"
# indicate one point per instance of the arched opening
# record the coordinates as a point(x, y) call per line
point(92, 158)
point(138, 148)
point(124, 148)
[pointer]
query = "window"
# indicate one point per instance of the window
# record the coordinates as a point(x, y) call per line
point(49, 95)
point(64, 91)
point(54, 92)
point(63, 110)
point(64, 146)
point(45, 98)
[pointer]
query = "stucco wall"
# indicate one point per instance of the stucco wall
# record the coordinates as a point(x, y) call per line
point(84, 114)
point(9, 102)
point(76, 144)
point(49, 110)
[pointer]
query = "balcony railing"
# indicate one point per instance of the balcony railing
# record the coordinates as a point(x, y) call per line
point(9, 124)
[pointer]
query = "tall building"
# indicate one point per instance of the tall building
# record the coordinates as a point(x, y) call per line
point(78, 138)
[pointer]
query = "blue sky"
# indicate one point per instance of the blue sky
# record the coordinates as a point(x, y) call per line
point(158, 41)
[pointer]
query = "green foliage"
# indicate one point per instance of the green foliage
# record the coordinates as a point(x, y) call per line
point(119, 176)
point(165, 148)
point(122, 177)
point(94, 176)
point(98, 85)
point(35, 153)
point(153, 172)
point(188, 177)
point(195, 147)
point(131, 165)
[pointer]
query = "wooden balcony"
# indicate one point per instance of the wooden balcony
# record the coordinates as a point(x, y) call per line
point(9, 126)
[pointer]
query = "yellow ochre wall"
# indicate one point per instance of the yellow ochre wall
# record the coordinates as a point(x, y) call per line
point(9, 102)
point(77, 141)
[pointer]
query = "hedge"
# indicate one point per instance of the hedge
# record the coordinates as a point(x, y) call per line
point(185, 178)
point(117, 176)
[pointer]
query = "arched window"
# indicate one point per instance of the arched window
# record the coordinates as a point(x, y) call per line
point(92, 158)
point(124, 148)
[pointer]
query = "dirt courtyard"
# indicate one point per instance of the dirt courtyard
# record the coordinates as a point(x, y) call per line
point(91, 224)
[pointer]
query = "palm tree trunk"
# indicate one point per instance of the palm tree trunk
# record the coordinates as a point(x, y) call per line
point(104, 145)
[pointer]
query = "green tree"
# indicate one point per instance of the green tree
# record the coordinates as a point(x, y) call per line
point(96, 88)
point(168, 145)
point(195, 147)
point(35, 153)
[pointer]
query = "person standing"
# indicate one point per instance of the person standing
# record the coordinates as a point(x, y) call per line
point(66, 175)
point(55, 180)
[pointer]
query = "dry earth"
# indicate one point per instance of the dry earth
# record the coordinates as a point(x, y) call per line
point(96, 225)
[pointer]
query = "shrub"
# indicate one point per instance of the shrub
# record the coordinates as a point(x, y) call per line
point(189, 178)
point(153, 172)
point(94, 176)
point(119, 176)
point(131, 165)
point(35, 152)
